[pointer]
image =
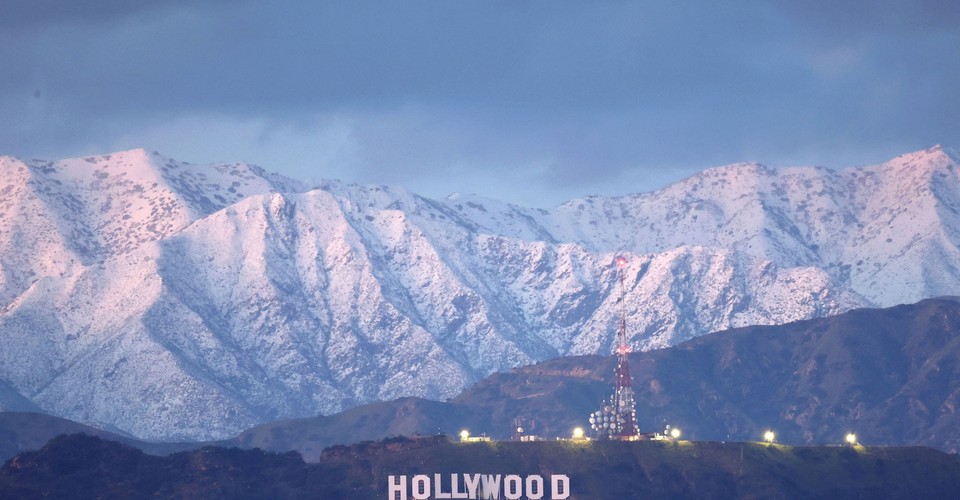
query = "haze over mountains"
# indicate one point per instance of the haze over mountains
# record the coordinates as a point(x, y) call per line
point(174, 301)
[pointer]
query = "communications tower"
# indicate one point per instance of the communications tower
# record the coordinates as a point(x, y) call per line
point(617, 417)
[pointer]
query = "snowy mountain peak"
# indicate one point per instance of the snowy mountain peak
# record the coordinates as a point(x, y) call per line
point(934, 158)
point(173, 300)
point(743, 169)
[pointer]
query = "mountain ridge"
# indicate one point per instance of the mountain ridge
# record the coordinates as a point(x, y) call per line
point(86, 466)
point(225, 290)
point(889, 375)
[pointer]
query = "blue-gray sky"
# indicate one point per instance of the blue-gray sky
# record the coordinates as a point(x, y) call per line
point(528, 102)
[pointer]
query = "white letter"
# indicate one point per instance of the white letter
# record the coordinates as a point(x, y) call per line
point(438, 489)
point(491, 487)
point(512, 487)
point(534, 487)
point(421, 487)
point(393, 487)
point(472, 481)
point(561, 486)
point(455, 487)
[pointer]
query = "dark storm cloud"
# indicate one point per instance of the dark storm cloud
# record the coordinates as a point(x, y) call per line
point(365, 54)
point(33, 14)
point(579, 93)
point(831, 18)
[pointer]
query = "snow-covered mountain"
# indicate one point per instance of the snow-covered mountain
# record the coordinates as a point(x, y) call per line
point(889, 231)
point(174, 301)
point(79, 212)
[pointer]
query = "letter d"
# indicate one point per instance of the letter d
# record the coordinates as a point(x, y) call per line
point(560, 486)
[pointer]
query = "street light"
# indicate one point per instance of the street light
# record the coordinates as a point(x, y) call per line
point(769, 436)
point(578, 433)
point(851, 439)
point(675, 433)
point(464, 435)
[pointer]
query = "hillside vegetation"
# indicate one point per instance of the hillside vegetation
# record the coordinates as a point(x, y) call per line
point(80, 466)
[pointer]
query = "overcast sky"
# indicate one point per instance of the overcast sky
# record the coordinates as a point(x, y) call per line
point(528, 102)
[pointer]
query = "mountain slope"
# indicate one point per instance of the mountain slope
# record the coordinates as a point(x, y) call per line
point(181, 302)
point(29, 431)
point(890, 231)
point(82, 211)
point(11, 400)
point(890, 375)
point(88, 467)
point(283, 305)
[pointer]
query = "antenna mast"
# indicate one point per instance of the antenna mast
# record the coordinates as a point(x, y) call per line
point(617, 419)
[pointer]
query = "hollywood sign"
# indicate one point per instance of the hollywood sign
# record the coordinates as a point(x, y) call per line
point(478, 487)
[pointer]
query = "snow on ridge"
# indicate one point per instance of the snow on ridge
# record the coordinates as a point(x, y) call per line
point(83, 210)
point(289, 305)
point(253, 298)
